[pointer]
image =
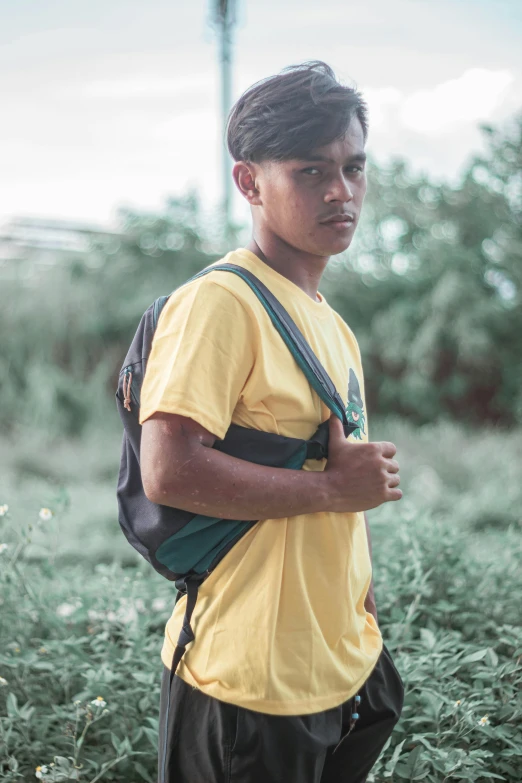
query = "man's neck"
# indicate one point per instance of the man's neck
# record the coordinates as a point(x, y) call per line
point(305, 270)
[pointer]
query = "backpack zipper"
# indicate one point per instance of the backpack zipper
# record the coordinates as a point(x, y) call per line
point(128, 395)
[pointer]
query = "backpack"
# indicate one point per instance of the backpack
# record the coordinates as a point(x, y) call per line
point(186, 547)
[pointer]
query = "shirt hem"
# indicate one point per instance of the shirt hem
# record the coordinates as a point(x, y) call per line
point(272, 707)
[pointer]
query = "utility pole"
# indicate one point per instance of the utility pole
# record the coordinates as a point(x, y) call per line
point(224, 19)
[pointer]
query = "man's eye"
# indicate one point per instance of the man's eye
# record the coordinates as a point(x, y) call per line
point(348, 168)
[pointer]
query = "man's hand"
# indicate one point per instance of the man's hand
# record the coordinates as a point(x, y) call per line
point(360, 475)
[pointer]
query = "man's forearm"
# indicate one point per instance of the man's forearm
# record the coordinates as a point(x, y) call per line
point(215, 484)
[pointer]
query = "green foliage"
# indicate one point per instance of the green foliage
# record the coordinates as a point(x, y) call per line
point(448, 597)
point(80, 666)
point(456, 471)
point(432, 288)
point(70, 324)
point(453, 620)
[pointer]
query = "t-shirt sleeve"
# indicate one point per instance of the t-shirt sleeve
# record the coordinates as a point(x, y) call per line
point(201, 356)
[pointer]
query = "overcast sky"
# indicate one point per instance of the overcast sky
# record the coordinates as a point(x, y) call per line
point(112, 102)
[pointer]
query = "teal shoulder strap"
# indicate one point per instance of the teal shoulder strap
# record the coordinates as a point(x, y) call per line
point(289, 331)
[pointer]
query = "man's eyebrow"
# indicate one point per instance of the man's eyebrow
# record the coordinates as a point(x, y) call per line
point(359, 157)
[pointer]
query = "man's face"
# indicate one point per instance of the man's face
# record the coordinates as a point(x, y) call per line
point(297, 196)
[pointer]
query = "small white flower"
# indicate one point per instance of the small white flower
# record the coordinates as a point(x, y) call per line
point(3, 548)
point(41, 771)
point(458, 703)
point(159, 604)
point(66, 610)
point(3, 682)
point(3, 510)
point(483, 721)
point(127, 614)
point(45, 514)
point(99, 702)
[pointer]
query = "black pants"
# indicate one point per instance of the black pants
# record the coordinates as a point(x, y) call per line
point(206, 740)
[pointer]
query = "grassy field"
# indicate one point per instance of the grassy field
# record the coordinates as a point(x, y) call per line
point(82, 618)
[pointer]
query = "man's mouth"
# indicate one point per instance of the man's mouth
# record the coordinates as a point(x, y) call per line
point(340, 222)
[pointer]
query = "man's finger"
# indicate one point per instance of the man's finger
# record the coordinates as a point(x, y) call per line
point(388, 449)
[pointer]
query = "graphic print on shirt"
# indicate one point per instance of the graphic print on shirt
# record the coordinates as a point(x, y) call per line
point(355, 407)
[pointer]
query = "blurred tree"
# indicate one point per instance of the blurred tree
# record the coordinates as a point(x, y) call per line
point(432, 287)
point(70, 324)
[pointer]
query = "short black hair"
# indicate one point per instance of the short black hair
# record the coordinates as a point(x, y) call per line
point(292, 113)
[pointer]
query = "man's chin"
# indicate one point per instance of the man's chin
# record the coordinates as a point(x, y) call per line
point(335, 244)
point(324, 250)
point(334, 248)
point(343, 246)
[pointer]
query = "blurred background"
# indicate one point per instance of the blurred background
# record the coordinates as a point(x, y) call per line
point(115, 188)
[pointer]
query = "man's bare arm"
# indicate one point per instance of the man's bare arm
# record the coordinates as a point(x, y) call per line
point(180, 468)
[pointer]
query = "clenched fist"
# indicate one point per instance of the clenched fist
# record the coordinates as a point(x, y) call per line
point(360, 476)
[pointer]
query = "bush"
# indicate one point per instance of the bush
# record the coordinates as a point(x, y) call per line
point(80, 644)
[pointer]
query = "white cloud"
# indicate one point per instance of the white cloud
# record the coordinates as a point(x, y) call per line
point(470, 98)
point(379, 100)
point(147, 87)
point(190, 128)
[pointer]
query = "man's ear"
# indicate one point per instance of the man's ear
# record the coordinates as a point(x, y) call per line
point(245, 174)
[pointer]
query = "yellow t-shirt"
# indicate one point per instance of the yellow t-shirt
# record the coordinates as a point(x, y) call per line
point(280, 624)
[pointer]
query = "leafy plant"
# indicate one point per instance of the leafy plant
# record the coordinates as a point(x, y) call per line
point(80, 654)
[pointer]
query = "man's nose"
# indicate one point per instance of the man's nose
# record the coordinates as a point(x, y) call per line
point(340, 190)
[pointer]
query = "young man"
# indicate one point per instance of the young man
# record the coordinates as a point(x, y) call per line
point(287, 644)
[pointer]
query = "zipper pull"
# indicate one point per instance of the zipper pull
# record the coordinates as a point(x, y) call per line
point(127, 381)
